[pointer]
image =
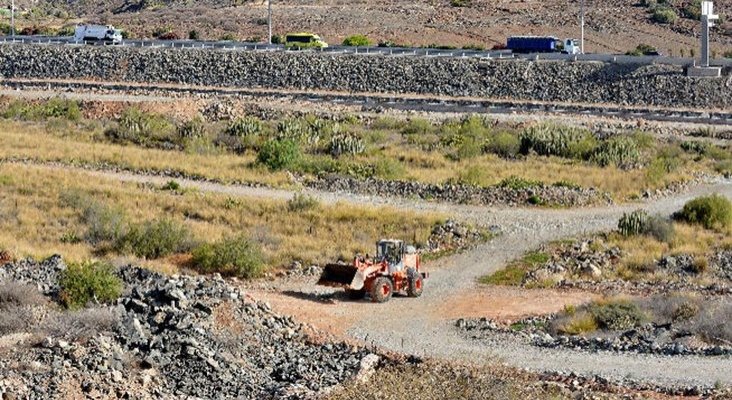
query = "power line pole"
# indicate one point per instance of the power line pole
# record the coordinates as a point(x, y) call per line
point(269, 21)
point(12, 18)
point(582, 27)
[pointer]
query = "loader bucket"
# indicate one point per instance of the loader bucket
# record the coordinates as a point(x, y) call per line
point(339, 275)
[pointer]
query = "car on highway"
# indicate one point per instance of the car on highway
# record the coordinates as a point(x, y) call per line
point(304, 41)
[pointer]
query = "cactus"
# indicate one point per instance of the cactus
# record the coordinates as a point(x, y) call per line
point(620, 151)
point(297, 130)
point(247, 126)
point(634, 223)
point(345, 143)
point(555, 140)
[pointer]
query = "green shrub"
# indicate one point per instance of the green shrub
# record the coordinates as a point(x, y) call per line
point(460, 3)
point(642, 50)
point(518, 183)
point(472, 175)
point(103, 223)
point(728, 54)
point(616, 315)
point(712, 212)
point(89, 281)
point(664, 15)
point(193, 128)
point(621, 151)
point(236, 256)
point(155, 239)
point(556, 140)
point(389, 169)
point(136, 126)
point(418, 126)
point(633, 224)
point(692, 10)
point(578, 324)
point(724, 168)
point(194, 35)
point(302, 202)
point(346, 144)
point(357, 40)
point(171, 186)
point(279, 154)
point(247, 126)
point(52, 108)
point(469, 147)
point(504, 144)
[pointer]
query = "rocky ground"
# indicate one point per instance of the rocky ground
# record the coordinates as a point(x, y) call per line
point(167, 336)
point(591, 264)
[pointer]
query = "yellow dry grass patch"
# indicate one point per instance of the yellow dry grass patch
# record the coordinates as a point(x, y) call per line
point(35, 220)
point(29, 140)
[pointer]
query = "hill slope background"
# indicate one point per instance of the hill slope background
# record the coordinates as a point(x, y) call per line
point(612, 25)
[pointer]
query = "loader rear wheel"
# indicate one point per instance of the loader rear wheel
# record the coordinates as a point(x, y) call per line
point(415, 283)
point(381, 290)
point(355, 294)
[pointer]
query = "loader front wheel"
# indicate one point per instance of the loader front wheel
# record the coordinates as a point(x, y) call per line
point(415, 283)
point(381, 290)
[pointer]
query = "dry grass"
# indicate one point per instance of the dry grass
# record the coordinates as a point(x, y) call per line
point(36, 222)
point(31, 140)
point(84, 144)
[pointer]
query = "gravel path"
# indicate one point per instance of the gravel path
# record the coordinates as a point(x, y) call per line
point(412, 326)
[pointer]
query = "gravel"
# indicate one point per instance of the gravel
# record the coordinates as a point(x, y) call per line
point(585, 82)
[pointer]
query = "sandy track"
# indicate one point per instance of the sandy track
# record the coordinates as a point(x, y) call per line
point(423, 327)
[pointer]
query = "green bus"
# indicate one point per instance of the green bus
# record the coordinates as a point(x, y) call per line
point(304, 41)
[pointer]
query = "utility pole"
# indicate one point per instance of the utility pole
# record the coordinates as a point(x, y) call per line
point(582, 26)
point(12, 18)
point(269, 21)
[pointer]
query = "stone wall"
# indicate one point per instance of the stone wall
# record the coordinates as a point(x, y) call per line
point(521, 80)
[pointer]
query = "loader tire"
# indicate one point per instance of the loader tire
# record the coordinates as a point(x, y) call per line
point(381, 290)
point(415, 283)
point(355, 294)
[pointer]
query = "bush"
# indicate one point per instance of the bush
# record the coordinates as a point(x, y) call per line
point(141, 128)
point(642, 50)
point(171, 186)
point(418, 126)
point(357, 40)
point(236, 256)
point(473, 175)
point(578, 324)
point(504, 144)
point(155, 239)
point(302, 202)
point(193, 35)
point(518, 183)
point(387, 168)
point(89, 281)
point(460, 3)
point(616, 315)
point(52, 108)
point(192, 129)
point(619, 151)
point(660, 228)
point(15, 294)
point(712, 212)
point(556, 140)
point(279, 154)
point(664, 15)
point(633, 223)
point(104, 223)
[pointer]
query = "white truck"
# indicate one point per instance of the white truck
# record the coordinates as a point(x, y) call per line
point(98, 34)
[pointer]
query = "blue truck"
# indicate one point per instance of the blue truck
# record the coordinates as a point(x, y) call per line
point(542, 44)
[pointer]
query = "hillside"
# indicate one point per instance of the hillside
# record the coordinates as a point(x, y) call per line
point(612, 26)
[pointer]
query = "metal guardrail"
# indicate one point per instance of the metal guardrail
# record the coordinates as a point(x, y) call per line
point(383, 51)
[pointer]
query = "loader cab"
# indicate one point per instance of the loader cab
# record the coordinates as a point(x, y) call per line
point(571, 46)
point(390, 250)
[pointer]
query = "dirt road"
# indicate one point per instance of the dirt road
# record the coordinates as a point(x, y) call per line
point(424, 326)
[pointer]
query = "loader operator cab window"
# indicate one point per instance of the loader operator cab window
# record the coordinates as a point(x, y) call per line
point(390, 251)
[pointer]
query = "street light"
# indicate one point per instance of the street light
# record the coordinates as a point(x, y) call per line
point(269, 21)
point(12, 19)
point(582, 27)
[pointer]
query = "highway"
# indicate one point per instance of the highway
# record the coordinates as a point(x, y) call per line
point(373, 51)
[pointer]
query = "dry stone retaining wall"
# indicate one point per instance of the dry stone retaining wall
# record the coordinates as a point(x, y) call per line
point(522, 80)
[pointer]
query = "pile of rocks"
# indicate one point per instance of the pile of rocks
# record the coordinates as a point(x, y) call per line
point(650, 338)
point(577, 82)
point(176, 336)
point(461, 194)
point(586, 264)
point(453, 235)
